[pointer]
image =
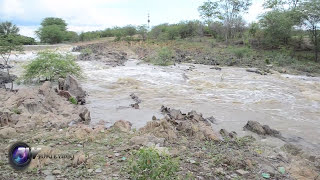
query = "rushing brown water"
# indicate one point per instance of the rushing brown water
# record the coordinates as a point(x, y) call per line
point(233, 96)
point(290, 104)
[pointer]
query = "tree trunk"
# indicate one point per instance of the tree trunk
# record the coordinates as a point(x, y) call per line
point(10, 79)
point(8, 71)
point(316, 44)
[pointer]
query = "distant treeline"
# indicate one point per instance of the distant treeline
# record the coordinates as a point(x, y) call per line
point(9, 29)
point(286, 24)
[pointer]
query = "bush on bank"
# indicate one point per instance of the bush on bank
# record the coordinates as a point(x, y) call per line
point(50, 65)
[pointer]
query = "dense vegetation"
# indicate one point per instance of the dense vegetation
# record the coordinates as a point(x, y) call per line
point(7, 28)
point(287, 25)
point(10, 42)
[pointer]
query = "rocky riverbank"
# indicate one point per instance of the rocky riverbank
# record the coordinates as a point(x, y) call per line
point(46, 117)
point(42, 118)
point(111, 54)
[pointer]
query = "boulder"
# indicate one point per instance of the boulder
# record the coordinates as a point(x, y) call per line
point(135, 98)
point(85, 115)
point(162, 129)
point(4, 78)
point(256, 127)
point(4, 118)
point(79, 158)
point(192, 124)
point(73, 87)
point(65, 94)
point(124, 126)
point(61, 82)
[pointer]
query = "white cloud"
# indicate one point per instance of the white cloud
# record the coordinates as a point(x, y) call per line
point(12, 8)
point(28, 30)
point(90, 15)
point(254, 11)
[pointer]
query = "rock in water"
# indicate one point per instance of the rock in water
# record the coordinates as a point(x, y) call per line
point(73, 87)
point(85, 115)
point(256, 127)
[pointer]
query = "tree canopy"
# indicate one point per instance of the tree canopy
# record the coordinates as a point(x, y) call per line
point(7, 28)
point(54, 30)
point(54, 21)
point(226, 11)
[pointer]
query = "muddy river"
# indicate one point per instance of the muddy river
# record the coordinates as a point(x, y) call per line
point(288, 103)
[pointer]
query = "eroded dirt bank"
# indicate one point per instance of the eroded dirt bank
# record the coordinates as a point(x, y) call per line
point(227, 99)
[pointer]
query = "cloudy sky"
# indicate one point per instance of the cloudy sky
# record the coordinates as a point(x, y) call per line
point(88, 15)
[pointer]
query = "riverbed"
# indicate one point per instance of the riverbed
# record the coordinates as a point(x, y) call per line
point(288, 103)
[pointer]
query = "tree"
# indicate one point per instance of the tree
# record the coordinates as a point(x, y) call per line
point(311, 16)
point(142, 31)
point(52, 30)
point(129, 30)
point(51, 34)
point(50, 65)
point(54, 21)
point(226, 11)
point(281, 4)
point(71, 36)
point(9, 44)
point(277, 27)
point(7, 28)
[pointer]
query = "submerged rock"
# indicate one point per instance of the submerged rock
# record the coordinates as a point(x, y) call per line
point(256, 127)
point(137, 101)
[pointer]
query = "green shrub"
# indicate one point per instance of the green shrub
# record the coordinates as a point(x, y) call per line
point(148, 163)
point(50, 65)
point(163, 57)
point(73, 100)
point(16, 110)
point(281, 59)
point(86, 51)
point(241, 52)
